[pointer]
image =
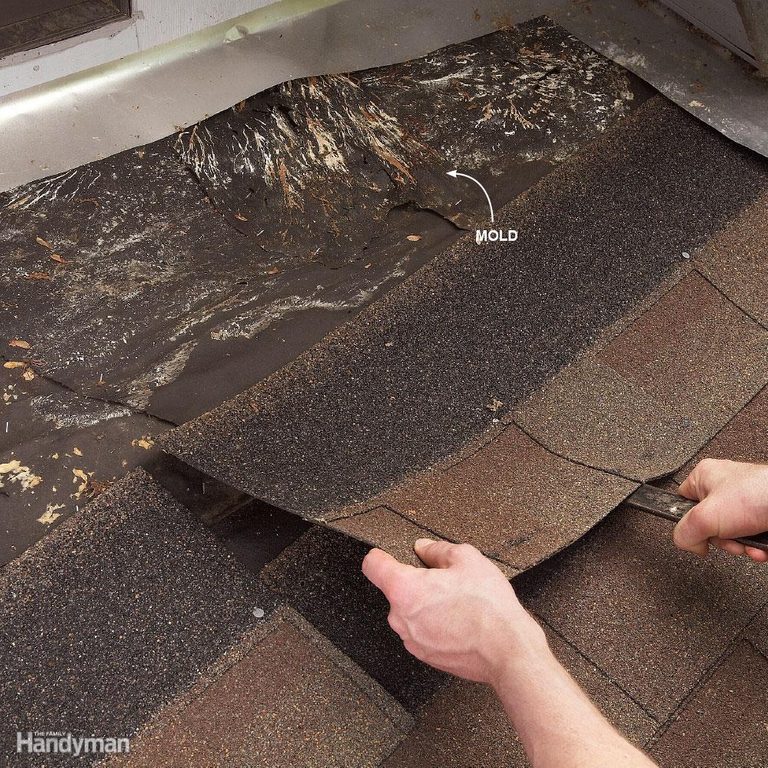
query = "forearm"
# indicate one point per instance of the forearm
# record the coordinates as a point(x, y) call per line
point(556, 722)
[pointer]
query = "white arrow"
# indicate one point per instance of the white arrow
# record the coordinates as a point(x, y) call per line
point(485, 191)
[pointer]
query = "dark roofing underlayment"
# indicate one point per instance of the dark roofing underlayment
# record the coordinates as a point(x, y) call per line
point(408, 415)
point(175, 258)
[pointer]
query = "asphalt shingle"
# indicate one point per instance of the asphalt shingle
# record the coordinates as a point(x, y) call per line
point(465, 725)
point(511, 498)
point(725, 723)
point(735, 260)
point(320, 577)
point(427, 369)
point(121, 607)
point(284, 698)
point(654, 619)
point(645, 402)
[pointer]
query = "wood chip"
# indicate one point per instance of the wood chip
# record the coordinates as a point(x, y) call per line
point(44, 243)
point(273, 271)
point(20, 343)
point(28, 375)
point(59, 259)
point(37, 276)
point(414, 238)
point(239, 216)
point(77, 451)
point(14, 364)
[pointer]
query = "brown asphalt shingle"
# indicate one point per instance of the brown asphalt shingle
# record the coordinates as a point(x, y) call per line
point(653, 618)
point(736, 260)
point(695, 352)
point(290, 699)
point(744, 438)
point(663, 386)
point(465, 725)
point(381, 527)
point(512, 499)
point(591, 413)
point(725, 723)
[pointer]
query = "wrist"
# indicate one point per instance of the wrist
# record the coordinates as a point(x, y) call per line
point(522, 648)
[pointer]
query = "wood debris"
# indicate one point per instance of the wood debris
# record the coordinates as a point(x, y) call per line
point(16, 472)
point(51, 514)
point(20, 343)
point(494, 405)
point(39, 240)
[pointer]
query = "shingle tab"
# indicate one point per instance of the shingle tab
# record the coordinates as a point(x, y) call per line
point(287, 698)
point(511, 498)
point(117, 610)
point(653, 618)
point(725, 723)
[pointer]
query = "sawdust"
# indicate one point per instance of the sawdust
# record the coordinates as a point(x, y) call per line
point(15, 472)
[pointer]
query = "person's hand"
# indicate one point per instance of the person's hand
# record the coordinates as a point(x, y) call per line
point(460, 614)
point(733, 501)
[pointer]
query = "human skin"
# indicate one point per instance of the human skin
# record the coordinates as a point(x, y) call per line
point(461, 615)
point(733, 502)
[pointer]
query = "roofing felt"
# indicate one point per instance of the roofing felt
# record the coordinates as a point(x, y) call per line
point(58, 450)
point(285, 697)
point(444, 357)
point(175, 275)
point(118, 610)
point(344, 150)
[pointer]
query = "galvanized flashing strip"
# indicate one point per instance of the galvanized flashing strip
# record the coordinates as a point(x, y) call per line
point(146, 96)
point(685, 65)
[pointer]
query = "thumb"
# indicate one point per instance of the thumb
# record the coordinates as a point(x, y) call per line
point(435, 554)
point(383, 570)
point(698, 526)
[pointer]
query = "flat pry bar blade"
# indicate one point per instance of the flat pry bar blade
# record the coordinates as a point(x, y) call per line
point(670, 506)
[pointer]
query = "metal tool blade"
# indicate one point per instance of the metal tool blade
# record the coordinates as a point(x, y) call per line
point(670, 506)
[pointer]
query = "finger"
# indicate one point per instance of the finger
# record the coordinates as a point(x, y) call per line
point(730, 546)
point(696, 528)
point(705, 476)
point(693, 485)
point(436, 554)
point(688, 487)
point(758, 555)
point(384, 571)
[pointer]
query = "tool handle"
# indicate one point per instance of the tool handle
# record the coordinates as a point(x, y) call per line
point(670, 506)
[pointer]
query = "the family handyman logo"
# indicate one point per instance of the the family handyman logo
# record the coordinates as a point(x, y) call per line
point(52, 743)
